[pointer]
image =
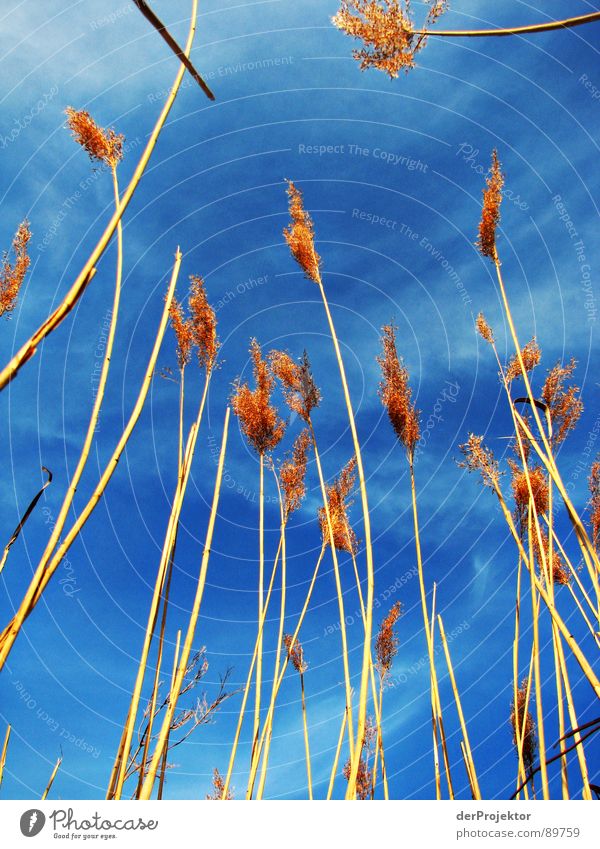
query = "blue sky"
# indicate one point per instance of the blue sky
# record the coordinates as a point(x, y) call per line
point(409, 152)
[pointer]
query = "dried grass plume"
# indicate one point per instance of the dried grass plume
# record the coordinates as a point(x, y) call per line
point(12, 274)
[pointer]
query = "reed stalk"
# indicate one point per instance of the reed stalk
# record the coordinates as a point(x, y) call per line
point(338, 750)
point(528, 29)
point(159, 586)
point(356, 748)
point(247, 686)
point(280, 631)
point(193, 621)
point(4, 752)
point(269, 719)
point(163, 764)
point(52, 777)
point(471, 771)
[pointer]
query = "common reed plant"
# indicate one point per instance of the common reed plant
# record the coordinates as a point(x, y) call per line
point(300, 237)
point(391, 38)
point(264, 429)
point(198, 333)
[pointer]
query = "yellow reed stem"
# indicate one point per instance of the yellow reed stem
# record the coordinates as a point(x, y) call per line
point(163, 764)
point(159, 585)
point(3, 753)
point(52, 777)
point(338, 585)
point(187, 645)
point(438, 704)
point(306, 744)
point(528, 29)
point(472, 773)
point(261, 568)
point(536, 663)
point(263, 775)
point(336, 760)
point(249, 678)
point(355, 751)
point(269, 719)
point(521, 767)
point(27, 350)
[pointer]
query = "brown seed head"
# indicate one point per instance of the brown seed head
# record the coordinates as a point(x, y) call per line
point(300, 236)
point(258, 417)
point(560, 572)
point(102, 145)
point(12, 274)
point(299, 389)
point(183, 333)
point(479, 458)
point(204, 324)
point(396, 394)
point(293, 474)
point(565, 405)
point(490, 215)
point(386, 643)
point(594, 485)
point(531, 356)
point(485, 331)
point(387, 32)
point(520, 488)
point(295, 653)
point(218, 787)
point(517, 718)
point(364, 778)
point(344, 538)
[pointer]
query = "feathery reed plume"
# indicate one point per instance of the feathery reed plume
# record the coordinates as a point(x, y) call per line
point(490, 215)
point(564, 405)
point(101, 145)
point(364, 779)
point(182, 328)
point(530, 357)
point(387, 31)
point(300, 236)
point(197, 330)
point(203, 324)
point(219, 793)
point(386, 643)
point(479, 458)
point(560, 573)
point(520, 483)
point(396, 394)
point(293, 474)
point(344, 537)
point(526, 727)
point(484, 330)
point(594, 485)
point(299, 388)
point(295, 653)
point(13, 274)
point(259, 419)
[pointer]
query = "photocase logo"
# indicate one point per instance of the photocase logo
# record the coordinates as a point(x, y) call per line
point(32, 822)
